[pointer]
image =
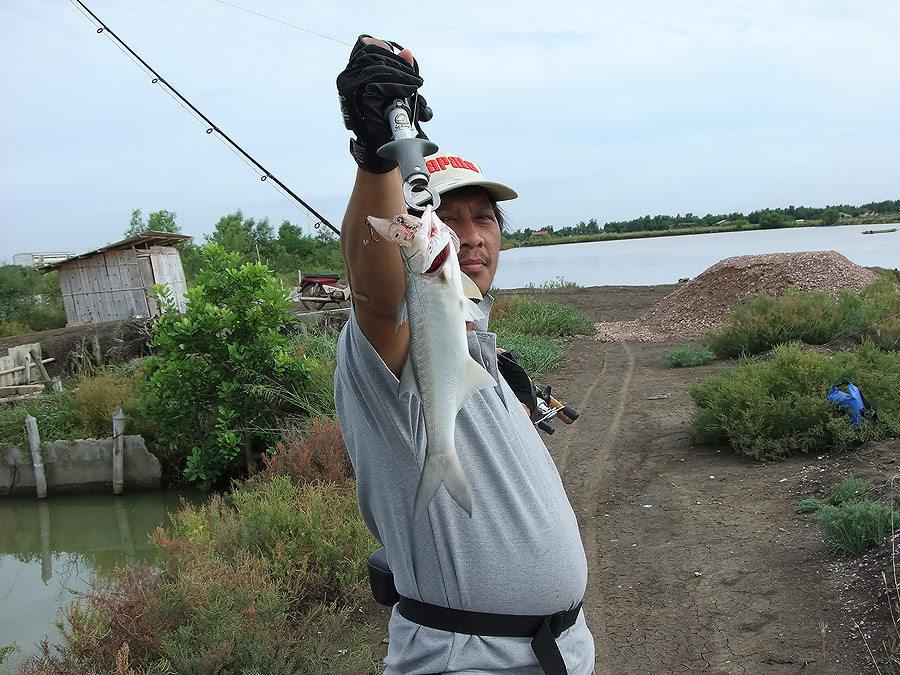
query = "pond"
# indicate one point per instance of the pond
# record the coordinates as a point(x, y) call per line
point(50, 548)
point(666, 260)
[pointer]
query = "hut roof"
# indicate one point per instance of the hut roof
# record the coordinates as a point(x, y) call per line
point(142, 240)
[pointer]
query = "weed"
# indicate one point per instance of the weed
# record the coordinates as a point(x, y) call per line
point(520, 314)
point(557, 283)
point(55, 415)
point(856, 526)
point(538, 354)
point(314, 453)
point(687, 357)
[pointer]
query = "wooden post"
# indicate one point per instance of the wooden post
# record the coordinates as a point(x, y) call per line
point(34, 444)
point(45, 378)
point(96, 352)
point(118, 451)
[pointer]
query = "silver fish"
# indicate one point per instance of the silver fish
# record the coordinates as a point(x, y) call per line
point(439, 369)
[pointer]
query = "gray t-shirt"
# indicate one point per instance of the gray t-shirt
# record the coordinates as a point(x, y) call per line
point(519, 553)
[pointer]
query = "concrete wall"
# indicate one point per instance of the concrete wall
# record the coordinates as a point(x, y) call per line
point(79, 466)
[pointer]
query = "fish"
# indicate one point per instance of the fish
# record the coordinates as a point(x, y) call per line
point(439, 369)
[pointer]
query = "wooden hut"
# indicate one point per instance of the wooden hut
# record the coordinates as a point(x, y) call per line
point(113, 283)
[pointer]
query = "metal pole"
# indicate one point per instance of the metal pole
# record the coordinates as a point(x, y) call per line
point(34, 445)
point(118, 451)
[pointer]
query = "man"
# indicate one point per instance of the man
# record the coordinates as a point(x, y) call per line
point(519, 556)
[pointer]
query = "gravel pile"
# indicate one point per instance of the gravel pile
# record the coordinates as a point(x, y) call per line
point(706, 300)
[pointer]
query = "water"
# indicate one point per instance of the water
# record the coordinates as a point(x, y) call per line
point(51, 548)
point(665, 260)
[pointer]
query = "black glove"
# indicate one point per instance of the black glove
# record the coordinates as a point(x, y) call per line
point(373, 79)
point(517, 379)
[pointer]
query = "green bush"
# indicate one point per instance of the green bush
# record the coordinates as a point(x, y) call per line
point(688, 357)
point(773, 408)
point(856, 526)
point(814, 318)
point(225, 369)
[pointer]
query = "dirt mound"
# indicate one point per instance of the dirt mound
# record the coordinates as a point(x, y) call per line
point(706, 300)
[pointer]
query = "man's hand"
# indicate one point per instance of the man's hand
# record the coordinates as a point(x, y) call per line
point(376, 75)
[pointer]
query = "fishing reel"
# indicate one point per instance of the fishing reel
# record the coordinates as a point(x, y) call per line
point(549, 407)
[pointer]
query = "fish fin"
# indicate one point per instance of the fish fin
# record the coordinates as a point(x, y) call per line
point(408, 380)
point(471, 311)
point(402, 314)
point(474, 378)
point(444, 469)
point(469, 288)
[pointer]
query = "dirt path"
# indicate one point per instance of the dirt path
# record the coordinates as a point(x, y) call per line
point(697, 559)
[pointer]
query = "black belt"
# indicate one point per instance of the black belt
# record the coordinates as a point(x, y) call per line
point(542, 629)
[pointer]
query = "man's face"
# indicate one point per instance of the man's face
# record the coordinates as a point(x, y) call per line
point(468, 211)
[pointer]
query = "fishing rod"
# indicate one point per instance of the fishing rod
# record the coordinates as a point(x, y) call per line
point(211, 127)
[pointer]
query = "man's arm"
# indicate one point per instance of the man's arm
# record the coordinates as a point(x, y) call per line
point(375, 269)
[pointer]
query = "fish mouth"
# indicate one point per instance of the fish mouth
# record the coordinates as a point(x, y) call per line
point(439, 260)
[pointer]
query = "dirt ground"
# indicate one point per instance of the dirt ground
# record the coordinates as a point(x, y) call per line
point(698, 561)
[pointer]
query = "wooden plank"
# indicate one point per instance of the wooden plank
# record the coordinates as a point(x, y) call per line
point(167, 269)
point(105, 305)
point(65, 287)
point(78, 291)
point(114, 274)
point(136, 283)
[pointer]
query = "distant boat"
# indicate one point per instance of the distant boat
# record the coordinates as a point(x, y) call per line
point(892, 229)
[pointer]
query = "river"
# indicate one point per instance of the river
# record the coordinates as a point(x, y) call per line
point(665, 260)
point(51, 548)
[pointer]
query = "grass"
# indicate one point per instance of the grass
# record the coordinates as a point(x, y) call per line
point(851, 523)
point(537, 330)
point(764, 321)
point(688, 357)
point(777, 407)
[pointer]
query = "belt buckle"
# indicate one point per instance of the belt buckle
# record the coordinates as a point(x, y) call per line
point(555, 623)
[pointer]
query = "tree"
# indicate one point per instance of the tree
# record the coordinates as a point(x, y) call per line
point(830, 217)
point(160, 221)
point(225, 368)
point(770, 220)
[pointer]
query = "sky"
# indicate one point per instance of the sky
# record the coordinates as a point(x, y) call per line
point(594, 109)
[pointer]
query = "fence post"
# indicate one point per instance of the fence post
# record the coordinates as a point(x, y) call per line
point(45, 378)
point(34, 445)
point(118, 451)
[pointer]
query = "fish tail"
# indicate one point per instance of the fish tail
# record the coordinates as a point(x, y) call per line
point(444, 469)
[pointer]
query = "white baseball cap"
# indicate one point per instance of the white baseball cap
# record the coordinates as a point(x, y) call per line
point(449, 172)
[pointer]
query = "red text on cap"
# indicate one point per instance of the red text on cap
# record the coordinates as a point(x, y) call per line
point(441, 163)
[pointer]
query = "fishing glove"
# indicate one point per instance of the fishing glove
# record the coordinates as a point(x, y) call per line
point(373, 79)
point(517, 379)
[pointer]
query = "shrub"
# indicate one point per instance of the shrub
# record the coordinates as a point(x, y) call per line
point(311, 536)
point(687, 357)
point(764, 321)
point(222, 367)
point(317, 453)
point(769, 409)
point(257, 583)
point(856, 526)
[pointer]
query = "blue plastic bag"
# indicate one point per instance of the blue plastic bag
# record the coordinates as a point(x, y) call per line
point(852, 401)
